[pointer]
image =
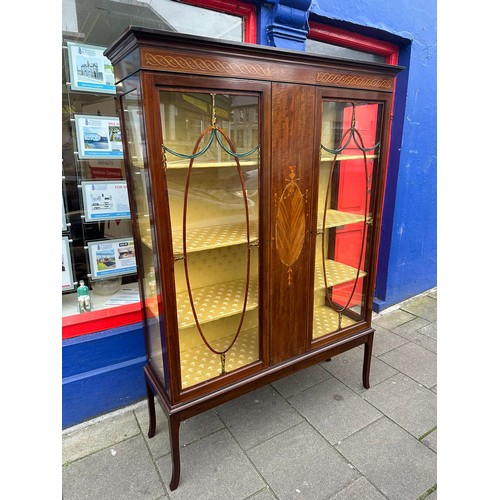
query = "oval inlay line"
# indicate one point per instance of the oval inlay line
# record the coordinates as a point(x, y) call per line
point(290, 223)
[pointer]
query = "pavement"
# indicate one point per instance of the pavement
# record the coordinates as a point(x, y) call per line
point(317, 434)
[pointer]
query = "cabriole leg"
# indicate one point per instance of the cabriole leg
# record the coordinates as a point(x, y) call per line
point(151, 409)
point(174, 424)
point(367, 361)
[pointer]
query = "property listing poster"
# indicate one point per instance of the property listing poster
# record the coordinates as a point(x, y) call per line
point(104, 200)
point(67, 266)
point(112, 257)
point(90, 71)
point(98, 137)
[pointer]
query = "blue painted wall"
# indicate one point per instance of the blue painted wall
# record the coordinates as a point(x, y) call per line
point(102, 372)
point(408, 252)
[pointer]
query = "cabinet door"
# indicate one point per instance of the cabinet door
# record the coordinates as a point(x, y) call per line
point(350, 152)
point(211, 151)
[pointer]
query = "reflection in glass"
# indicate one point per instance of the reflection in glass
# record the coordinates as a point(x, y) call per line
point(349, 154)
point(211, 160)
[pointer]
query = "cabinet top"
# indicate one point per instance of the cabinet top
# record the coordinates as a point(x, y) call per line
point(149, 49)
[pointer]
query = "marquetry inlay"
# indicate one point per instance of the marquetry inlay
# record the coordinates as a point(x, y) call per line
point(354, 80)
point(290, 223)
point(204, 65)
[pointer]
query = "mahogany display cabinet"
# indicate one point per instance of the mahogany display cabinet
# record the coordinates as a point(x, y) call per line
point(256, 179)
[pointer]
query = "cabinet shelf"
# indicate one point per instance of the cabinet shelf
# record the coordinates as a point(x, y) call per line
point(184, 164)
point(210, 237)
point(336, 274)
point(217, 301)
point(325, 158)
point(326, 320)
point(336, 218)
point(199, 364)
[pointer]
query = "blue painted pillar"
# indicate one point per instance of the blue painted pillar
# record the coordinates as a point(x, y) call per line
point(286, 24)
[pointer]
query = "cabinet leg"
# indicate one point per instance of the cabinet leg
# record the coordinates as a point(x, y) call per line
point(174, 424)
point(151, 409)
point(367, 361)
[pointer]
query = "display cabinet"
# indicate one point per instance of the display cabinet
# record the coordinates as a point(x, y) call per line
point(256, 179)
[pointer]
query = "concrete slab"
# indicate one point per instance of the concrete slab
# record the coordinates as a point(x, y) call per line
point(430, 440)
point(299, 463)
point(415, 361)
point(124, 471)
point(334, 410)
point(361, 489)
point(298, 382)
point(392, 319)
point(348, 368)
point(422, 306)
point(98, 436)
point(430, 330)
point(406, 402)
point(191, 430)
point(214, 467)
point(397, 464)
point(384, 341)
point(257, 416)
point(406, 329)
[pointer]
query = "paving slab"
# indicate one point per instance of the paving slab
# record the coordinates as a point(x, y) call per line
point(97, 436)
point(415, 361)
point(299, 463)
point(361, 489)
point(406, 329)
point(191, 429)
point(123, 471)
point(257, 416)
point(430, 330)
point(392, 460)
point(406, 402)
point(384, 341)
point(301, 380)
point(214, 467)
point(348, 368)
point(334, 410)
point(392, 319)
point(422, 306)
point(430, 440)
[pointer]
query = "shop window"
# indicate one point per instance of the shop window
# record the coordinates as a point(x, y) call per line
point(99, 274)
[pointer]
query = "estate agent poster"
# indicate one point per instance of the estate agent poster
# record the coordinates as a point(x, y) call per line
point(104, 200)
point(89, 70)
point(67, 266)
point(98, 137)
point(112, 257)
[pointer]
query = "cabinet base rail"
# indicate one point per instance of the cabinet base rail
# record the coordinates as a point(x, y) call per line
point(177, 413)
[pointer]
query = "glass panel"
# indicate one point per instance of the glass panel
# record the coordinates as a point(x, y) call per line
point(97, 24)
point(328, 49)
point(211, 154)
point(349, 154)
point(131, 105)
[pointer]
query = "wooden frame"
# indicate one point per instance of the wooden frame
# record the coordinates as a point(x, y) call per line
point(290, 86)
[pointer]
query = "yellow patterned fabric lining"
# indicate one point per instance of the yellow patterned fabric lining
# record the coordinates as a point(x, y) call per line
point(200, 364)
point(326, 320)
point(217, 301)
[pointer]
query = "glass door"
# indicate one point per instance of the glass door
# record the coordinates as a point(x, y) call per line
point(349, 156)
point(211, 162)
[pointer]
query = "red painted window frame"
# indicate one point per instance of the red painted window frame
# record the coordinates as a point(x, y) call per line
point(348, 39)
point(113, 317)
point(236, 8)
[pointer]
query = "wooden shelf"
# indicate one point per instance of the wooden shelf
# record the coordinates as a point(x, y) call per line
point(199, 364)
point(336, 274)
point(184, 164)
point(326, 320)
point(217, 301)
point(336, 218)
point(210, 237)
point(347, 157)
